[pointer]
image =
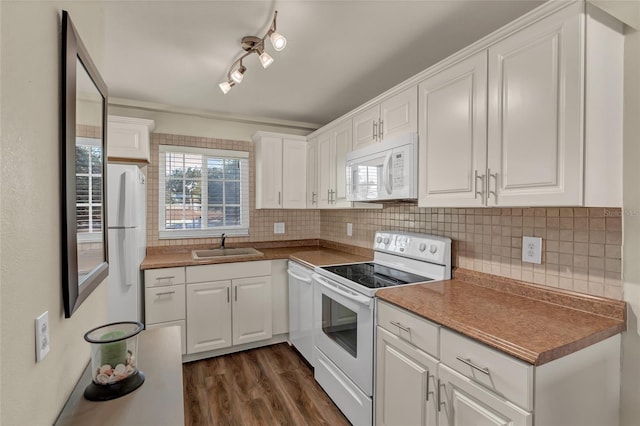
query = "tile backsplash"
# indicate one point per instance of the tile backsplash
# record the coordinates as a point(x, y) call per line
point(299, 224)
point(581, 247)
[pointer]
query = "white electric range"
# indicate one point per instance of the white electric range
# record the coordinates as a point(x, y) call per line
point(344, 312)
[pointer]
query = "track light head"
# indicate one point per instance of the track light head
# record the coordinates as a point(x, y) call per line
point(278, 41)
point(238, 74)
point(225, 86)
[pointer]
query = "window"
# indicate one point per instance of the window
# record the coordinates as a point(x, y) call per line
point(89, 189)
point(203, 192)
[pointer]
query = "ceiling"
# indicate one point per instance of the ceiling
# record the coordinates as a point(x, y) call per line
point(339, 53)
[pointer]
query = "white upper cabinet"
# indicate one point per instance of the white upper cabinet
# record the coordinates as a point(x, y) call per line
point(395, 115)
point(333, 146)
point(453, 134)
point(312, 174)
point(281, 171)
point(551, 110)
point(128, 139)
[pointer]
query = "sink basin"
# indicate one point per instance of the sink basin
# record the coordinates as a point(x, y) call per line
point(226, 252)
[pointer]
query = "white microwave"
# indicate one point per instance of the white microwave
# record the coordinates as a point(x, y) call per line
point(384, 171)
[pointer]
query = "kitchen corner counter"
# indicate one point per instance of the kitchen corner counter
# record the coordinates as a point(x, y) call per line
point(318, 254)
point(532, 323)
point(158, 401)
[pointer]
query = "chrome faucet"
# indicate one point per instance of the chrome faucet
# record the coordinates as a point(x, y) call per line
point(222, 238)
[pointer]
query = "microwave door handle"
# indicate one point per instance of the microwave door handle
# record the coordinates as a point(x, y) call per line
point(385, 173)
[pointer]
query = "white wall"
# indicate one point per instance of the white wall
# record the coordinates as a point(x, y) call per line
point(30, 270)
point(189, 124)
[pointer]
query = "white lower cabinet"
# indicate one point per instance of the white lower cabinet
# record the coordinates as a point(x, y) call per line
point(232, 311)
point(251, 310)
point(463, 402)
point(208, 316)
point(405, 383)
point(468, 383)
point(164, 300)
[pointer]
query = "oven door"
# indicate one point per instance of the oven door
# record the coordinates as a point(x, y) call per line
point(343, 329)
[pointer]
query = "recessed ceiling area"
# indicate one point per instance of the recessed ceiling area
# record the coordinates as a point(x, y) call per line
point(339, 53)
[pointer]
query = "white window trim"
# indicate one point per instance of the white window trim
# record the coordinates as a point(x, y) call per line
point(91, 236)
point(201, 233)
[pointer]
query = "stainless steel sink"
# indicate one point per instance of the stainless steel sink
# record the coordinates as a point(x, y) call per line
point(226, 252)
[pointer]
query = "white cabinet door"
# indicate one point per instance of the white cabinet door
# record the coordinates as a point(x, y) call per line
point(342, 145)
point(251, 316)
point(294, 174)
point(128, 138)
point(208, 316)
point(365, 127)
point(464, 403)
point(535, 154)
point(399, 114)
point(405, 383)
point(312, 174)
point(269, 172)
point(326, 168)
point(393, 116)
point(453, 135)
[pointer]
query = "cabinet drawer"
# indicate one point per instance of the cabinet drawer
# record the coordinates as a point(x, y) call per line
point(164, 304)
point(183, 331)
point(163, 277)
point(412, 328)
point(228, 271)
point(503, 374)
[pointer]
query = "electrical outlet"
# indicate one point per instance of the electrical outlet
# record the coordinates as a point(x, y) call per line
point(532, 249)
point(278, 228)
point(42, 336)
point(349, 229)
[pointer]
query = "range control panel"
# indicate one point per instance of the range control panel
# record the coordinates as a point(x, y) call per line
point(429, 248)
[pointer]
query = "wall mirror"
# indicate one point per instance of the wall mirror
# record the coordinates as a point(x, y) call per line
point(83, 168)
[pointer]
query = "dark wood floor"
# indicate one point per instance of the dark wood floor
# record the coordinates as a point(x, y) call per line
point(265, 386)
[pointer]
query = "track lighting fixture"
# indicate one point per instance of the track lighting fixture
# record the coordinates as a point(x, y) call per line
point(251, 44)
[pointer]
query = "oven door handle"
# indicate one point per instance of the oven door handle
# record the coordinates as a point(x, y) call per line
point(361, 299)
point(298, 277)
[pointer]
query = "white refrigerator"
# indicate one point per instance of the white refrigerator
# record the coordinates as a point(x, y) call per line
point(127, 240)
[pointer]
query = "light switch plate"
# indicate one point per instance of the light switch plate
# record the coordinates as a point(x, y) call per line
point(532, 249)
point(349, 229)
point(278, 228)
point(42, 336)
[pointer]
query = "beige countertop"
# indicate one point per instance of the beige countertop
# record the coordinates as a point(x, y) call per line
point(158, 401)
point(529, 322)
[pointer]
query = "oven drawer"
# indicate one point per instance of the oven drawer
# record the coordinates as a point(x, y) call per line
point(503, 374)
point(418, 331)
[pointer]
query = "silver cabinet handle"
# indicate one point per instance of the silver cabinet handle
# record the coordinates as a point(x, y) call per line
point(279, 198)
point(228, 295)
point(328, 196)
point(481, 186)
point(489, 191)
point(400, 326)
point(474, 366)
point(236, 294)
point(165, 293)
point(381, 130)
point(169, 277)
point(428, 386)
point(313, 198)
point(375, 131)
point(439, 397)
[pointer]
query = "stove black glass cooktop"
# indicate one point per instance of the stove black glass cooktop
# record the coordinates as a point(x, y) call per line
point(373, 275)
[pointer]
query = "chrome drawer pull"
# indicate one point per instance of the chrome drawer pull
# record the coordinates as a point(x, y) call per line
point(474, 366)
point(165, 278)
point(400, 326)
point(165, 293)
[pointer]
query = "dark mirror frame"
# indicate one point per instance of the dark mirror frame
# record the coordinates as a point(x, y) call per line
point(73, 50)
